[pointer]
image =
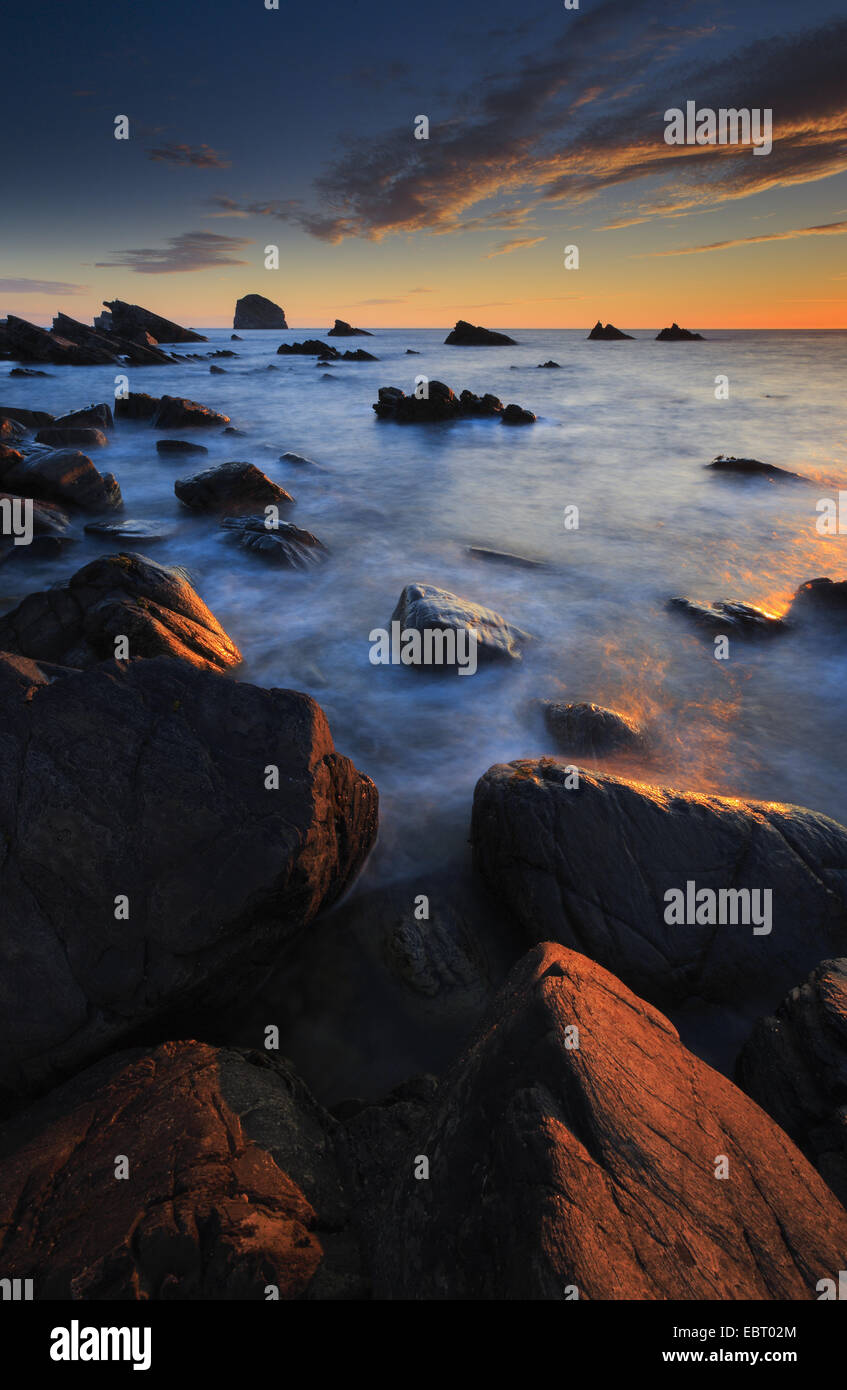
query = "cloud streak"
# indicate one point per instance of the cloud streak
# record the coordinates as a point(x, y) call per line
point(825, 229)
point(198, 157)
point(186, 252)
point(23, 286)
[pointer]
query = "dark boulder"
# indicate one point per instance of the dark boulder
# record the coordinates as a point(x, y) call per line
point(27, 371)
point(358, 356)
point(149, 864)
point(141, 351)
point(282, 543)
point(573, 1151)
point(98, 416)
point(820, 599)
point(619, 869)
point(426, 608)
point(233, 1184)
point(28, 343)
point(590, 730)
point(30, 419)
point(49, 528)
point(472, 335)
point(11, 432)
point(153, 606)
point(66, 476)
point(177, 413)
point(312, 347)
point(471, 404)
point(729, 617)
point(675, 334)
point(550, 363)
point(254, 311)
point(136, 405)
point(230, 487)
point(607, 334)
point(130, 321)
point(343, 330)
point(724, 463)
point(71, 436)
point(795, 1066)
point(517, 415)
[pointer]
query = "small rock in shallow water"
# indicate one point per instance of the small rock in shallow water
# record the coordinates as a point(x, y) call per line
point(129, 530)
point(230, 487)
point(727, 616)
point(428, 609)
point(183, 446)
point(283, 543)
point(724, 463)
point(590, 730)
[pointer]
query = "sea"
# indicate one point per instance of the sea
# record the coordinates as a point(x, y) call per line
point(624, 433)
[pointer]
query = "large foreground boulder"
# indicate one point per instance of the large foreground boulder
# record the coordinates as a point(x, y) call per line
point(231, 1184)
point(795, 1066)
point(575, 1152)
point(682, 895)
point(152, 606)
point(472, 335)
point(164, 832)
point(254, 311)
point(66, 476)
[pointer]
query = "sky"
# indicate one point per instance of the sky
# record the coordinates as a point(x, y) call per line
point(252, 127)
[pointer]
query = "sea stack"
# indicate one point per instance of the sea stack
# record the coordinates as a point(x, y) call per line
point(254, 311)
point(607, 334)
point(344, 330)
point(675, 334)
point(471, 335)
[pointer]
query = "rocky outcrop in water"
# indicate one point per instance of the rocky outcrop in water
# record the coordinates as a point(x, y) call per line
point(152, 606)
point(177, 413)
point(343, 330)
point(66, 476)
point(729, 617)
point(675, 334)
point(607, 334)
point(230, 487)
point(255, 311)
point(49, 527)
point(426, 608)
point(131, 321)
point(683, 895)
point(166, 831)
point(97, 416)
point(795, 1066)
point(441, 403)
point(573, 1152)
point(588, 729)
point(726, 463)
point(71, 436)
point(282, 543)
point(472, 335)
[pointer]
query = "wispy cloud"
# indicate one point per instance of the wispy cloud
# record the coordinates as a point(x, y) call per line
point(19, 285)
point(518, 244)
point(199, 156)
point(188, 251)
point(545, 132)
point(825, 229)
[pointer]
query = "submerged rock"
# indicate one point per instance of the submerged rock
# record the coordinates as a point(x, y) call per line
point(311, 347)
point(183, 446)
point(504, 557)
point(343, 330)
point(129, 530)
point(441, 403)
point(426, 608)
point(283, 543)
point(472, 335)
point(66, 476)
point(572, 1152)
point(230, 487)
point(551, 363)
point(146, 787)
point(255, 311)
point(152, 606)
point(795, 1066)
point(684, 895)
point(675, 334)
point(358, 356)
point(517, 415)
point(727, 616)
point(607, 334)
point(820, 598)
point(234, 1187)
point(590, 730)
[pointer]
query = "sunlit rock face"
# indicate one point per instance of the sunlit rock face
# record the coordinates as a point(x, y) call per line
point(604, 865)
point(575, 1149)
point(164, 831)
point(795, 1066)
point(153, 607)
point(229, 1185)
